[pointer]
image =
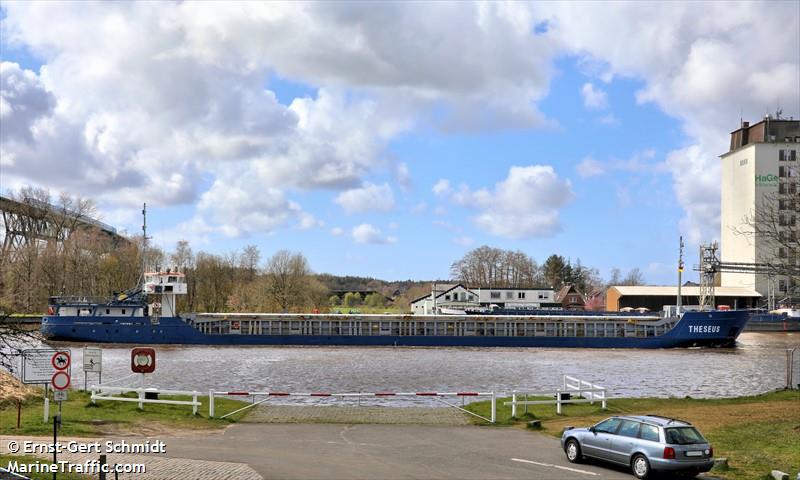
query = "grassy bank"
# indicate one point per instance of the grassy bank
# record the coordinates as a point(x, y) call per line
point(82, 419)
point(757, 434)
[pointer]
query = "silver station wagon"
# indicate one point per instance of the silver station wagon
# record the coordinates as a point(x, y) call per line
point(645, 443)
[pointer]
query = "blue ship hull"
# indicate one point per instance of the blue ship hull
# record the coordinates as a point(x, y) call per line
point(695, 329)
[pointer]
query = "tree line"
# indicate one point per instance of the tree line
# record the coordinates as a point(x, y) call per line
point(87, 262)
point(496, 268)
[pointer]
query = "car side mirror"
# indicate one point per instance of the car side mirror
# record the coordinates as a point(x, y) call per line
point(591, 429)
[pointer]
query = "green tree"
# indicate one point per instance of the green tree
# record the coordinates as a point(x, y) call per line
point(334, 301)
point(375, 300)
point(352, 299)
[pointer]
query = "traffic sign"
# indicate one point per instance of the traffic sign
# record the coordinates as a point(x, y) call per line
point(59, 395)
point(60, 380)
point(61, 360)
point(37, 366)
point(92, 359)
point(143, 360)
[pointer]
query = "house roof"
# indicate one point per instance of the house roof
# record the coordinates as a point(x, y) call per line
point(566, 290)
point(452, 287)
point(672, 290)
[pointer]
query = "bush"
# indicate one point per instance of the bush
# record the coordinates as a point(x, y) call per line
point(352, 299)
point(334, 301)
point(375, 300)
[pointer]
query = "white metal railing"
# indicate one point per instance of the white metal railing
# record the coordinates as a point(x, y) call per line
point(570, 385)
point(99, 393)
point(439, 396)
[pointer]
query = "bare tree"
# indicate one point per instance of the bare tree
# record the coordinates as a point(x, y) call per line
point(492, 267)
point(287, 278)
point(775, 225)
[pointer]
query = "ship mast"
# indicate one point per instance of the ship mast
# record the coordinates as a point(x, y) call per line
point(680, 271)
point(144, 241)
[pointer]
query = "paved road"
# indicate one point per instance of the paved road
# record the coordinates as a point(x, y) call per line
point(316, 451)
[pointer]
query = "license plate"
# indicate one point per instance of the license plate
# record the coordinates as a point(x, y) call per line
point(694, 453)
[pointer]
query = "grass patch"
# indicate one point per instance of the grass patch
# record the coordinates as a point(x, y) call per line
point(26, 459)
point(757, 433)
point(83, 419)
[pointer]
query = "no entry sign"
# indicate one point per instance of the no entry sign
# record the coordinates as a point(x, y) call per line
point(60, 380)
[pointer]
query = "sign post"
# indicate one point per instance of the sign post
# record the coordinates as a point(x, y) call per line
point(37, 368)
point(92, 362)
point(143, 360)
point(61, 362)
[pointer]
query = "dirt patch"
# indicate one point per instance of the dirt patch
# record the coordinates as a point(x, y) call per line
point(705, 417)
point(12, 390)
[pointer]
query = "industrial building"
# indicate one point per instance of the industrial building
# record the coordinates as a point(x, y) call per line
point(654, 298)
point(760, 205)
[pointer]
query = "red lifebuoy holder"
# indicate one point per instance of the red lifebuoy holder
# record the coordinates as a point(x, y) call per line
point(143, 360)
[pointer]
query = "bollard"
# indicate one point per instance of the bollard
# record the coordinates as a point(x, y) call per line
point(141, 398)
point(102, 462)
point(46, 410)
point(494, 408)
point(211, 404)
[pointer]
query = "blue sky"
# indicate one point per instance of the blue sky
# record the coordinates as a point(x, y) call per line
point(380, 143)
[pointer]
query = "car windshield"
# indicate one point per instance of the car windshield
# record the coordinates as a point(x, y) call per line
point(683, 436)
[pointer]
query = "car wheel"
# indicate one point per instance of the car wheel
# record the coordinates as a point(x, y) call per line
point(640, 466)
point(573, 451)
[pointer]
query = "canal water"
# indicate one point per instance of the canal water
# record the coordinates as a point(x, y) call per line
point(756, 365)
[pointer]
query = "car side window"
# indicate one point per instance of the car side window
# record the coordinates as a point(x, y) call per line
point(649, 432)
point(608, 426)
point(629, 428)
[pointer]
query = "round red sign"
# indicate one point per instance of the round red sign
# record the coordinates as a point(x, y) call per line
point(60, 360)
point(60, 380)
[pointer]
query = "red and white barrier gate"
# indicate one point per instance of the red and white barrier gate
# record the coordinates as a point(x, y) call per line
point(439, 396)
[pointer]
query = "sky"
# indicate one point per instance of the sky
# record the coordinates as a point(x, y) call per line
point(388, 139)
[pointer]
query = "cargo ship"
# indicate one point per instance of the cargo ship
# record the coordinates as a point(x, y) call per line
point(148, 316)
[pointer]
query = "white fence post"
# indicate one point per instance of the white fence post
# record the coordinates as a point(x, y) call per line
point(603, 405)
point(494, 408)
point(558, 402)
point(141, 399)
point(514, 404)
point(46, 409)
point(194, 400)
point(211, 404)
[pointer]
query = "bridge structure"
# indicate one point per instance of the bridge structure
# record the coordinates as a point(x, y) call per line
point(31, 221)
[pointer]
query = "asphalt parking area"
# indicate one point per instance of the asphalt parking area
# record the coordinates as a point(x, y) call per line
point(310, 451)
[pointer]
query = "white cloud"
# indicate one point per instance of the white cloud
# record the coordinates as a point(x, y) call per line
point(693, 70)
point(608, 119)
point(337, 231)
point(442, 187)
point(368, 197)
point(403, 175)
point(464, 241)
point(589, 167)
point(23, 101)
point(367, 233)
point(594, 98)
point(526, 204)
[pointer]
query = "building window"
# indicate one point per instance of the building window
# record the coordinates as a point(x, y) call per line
point(787, 155)
point(542, 296)
point(521, 295)
point(447, 297)
point(494, 295)
point(509, 295)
